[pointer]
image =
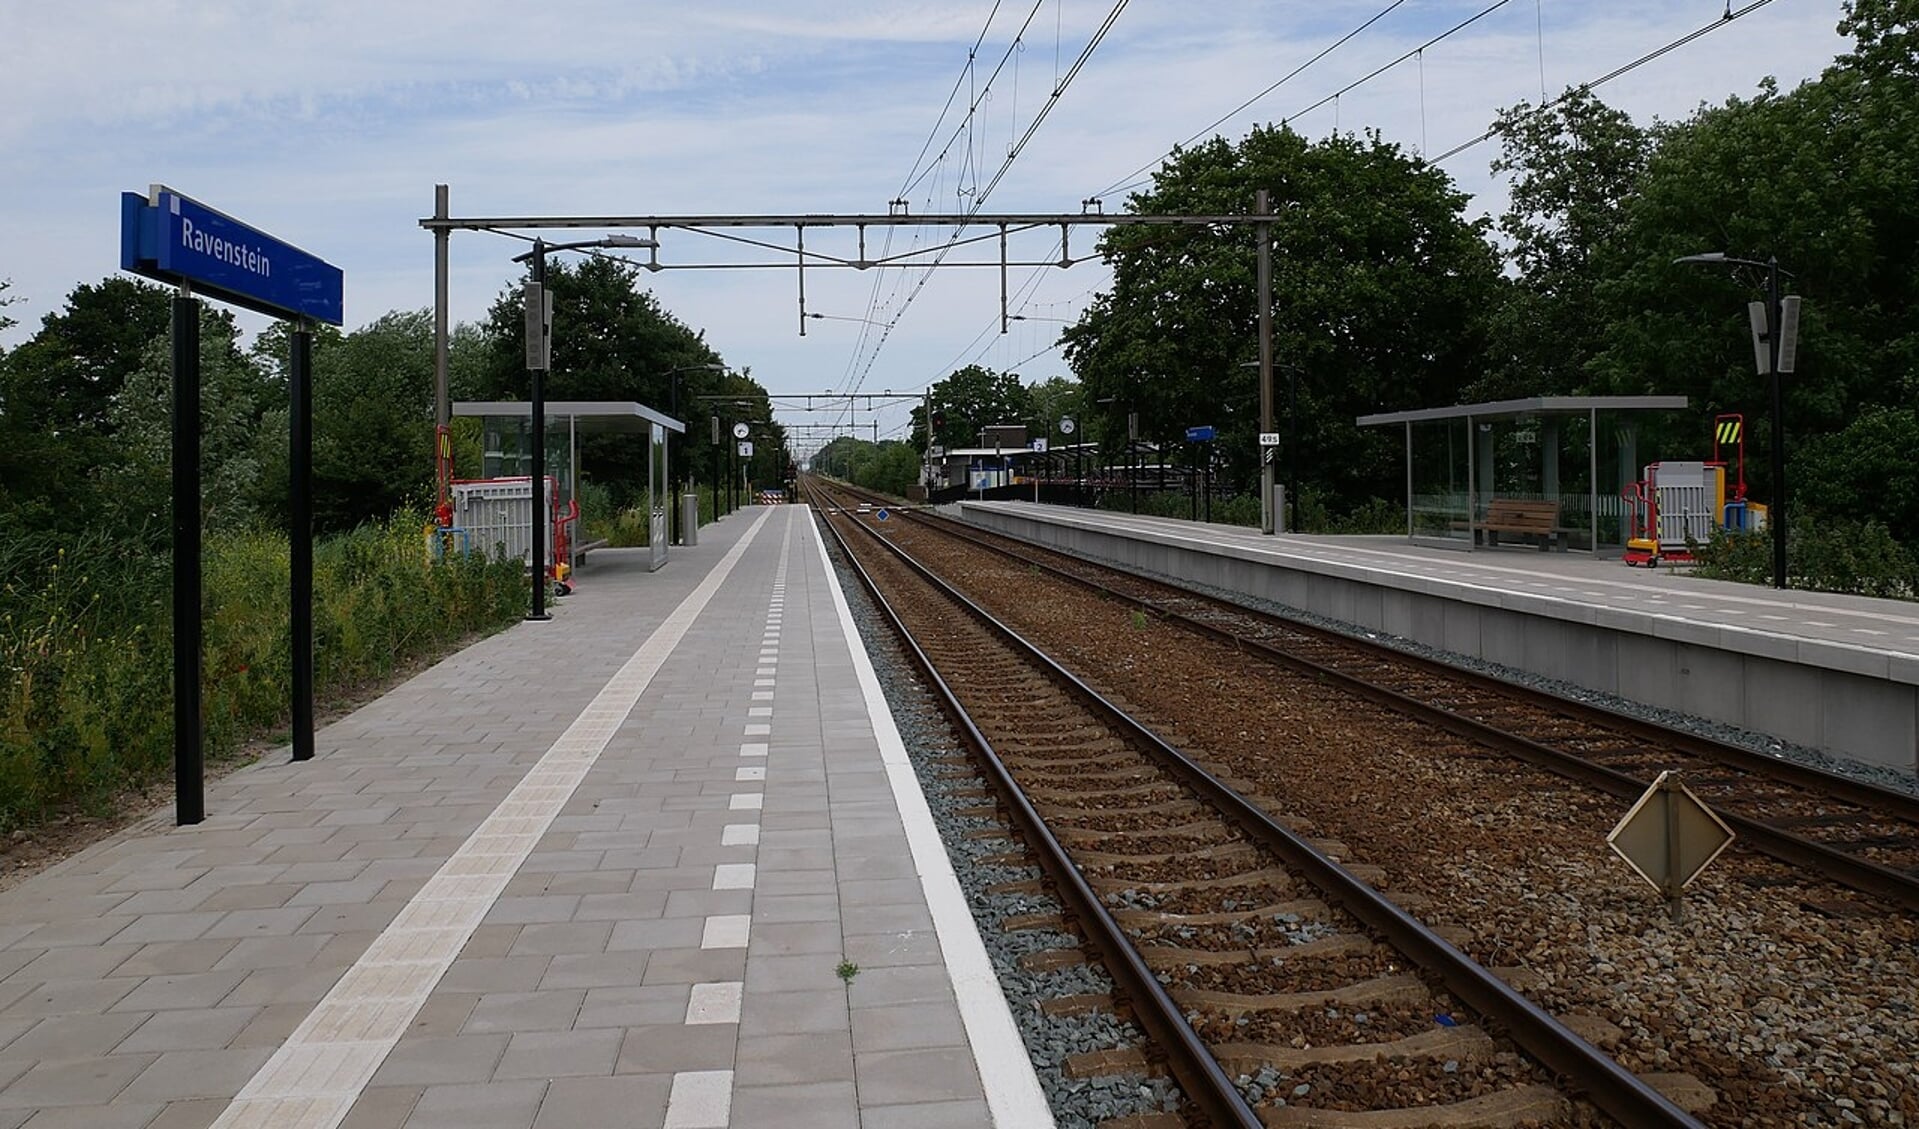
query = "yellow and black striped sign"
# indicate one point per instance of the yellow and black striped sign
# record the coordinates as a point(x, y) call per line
point(1728, 430)
point(446, 445)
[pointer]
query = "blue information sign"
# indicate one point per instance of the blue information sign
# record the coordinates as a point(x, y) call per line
point(175, 239)
point(1199, 435)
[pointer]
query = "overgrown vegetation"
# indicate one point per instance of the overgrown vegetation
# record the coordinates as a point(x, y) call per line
point(86, 637)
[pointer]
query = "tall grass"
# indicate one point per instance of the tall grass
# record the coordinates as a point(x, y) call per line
point(86, 646)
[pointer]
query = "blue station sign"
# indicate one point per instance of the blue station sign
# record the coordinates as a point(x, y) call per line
point(1199, 434)
point(176, 239)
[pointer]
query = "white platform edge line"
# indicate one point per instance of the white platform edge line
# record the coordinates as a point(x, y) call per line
point(1013, 1093)
point(326, 1110)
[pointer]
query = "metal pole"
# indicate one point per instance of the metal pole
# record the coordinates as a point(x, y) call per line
point(1291, 518)
point(189, 792)
point(1778, 513)
point(716, 468)
point(300, 536)
point(673, 479)
point(442, 237)
point(537, 479)
point(1262, 204)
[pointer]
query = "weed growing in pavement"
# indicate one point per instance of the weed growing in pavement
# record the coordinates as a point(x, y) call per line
point(847, 970)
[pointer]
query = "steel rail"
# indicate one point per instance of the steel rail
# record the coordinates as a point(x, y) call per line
point(1604, 1082)
point(1861, 874)
point(1198, 1073)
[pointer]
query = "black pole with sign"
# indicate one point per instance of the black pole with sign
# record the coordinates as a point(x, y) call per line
point(189, 783)
point(180, 241)
point(300, 537)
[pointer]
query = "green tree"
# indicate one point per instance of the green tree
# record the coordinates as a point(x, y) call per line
point(57, 396)
point(1834, 205)
point(614, 341)
point(1380, 287)
point(1574, 167)
point(1048, 401)
point(372, 417)
point(973, 398)
point(131, 493)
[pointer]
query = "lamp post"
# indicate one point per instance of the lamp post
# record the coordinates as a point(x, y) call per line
point(1777, 328)
point(539, 358)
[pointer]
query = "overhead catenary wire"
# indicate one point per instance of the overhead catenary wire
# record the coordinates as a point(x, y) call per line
point(979, 198)
point(1335, 45)
point(1704, 29)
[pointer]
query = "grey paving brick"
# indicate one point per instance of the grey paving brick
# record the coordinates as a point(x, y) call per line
point(493, 1105)
point(558, 1054)
point(525, 1011)
point(777, 1060)
point(127, 1115)
point(74, 1082)
point(618, 1102)
point(441, 1060)
point(383, 1107)
point(766, 1012)
point(889, 1077)
point(62, 1037)
point(630, 1006)
point(672, 1047)
point(926, 1115)
point(75, 963)
point(596, 970)
point(179, 1075)
point(814, 1105)
point(187, 990)
point(68, 997)
point(189, 1029)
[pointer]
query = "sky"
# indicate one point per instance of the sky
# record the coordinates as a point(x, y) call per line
point(328, 126)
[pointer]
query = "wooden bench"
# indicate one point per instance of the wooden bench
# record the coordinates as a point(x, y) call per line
point(1525, 516)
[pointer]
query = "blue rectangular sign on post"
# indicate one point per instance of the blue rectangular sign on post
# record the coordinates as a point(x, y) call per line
point(175, 239)
point(1199, 434)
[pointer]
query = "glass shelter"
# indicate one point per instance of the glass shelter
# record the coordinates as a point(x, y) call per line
point(1558, 463)
point(506, 455)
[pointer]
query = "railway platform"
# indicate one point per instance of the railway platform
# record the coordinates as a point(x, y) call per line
point(658, 862)
point(1834, 673)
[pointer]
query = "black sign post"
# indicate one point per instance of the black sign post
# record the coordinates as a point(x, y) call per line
point(180, 241)
point(189, 792)
point(300, 536)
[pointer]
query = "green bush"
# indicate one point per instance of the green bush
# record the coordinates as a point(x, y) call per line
point(1823, 555)
point(86, 693)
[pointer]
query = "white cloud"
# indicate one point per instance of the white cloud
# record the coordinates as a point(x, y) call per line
point(329, 125)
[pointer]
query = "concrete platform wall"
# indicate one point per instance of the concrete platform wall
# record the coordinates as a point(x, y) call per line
point(1842, 700)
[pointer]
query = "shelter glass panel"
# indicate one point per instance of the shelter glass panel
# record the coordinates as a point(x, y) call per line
point(1440, 479)
point(656, 495)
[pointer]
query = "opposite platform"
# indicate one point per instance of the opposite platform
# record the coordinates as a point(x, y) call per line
point(607, 870)
point(1831, 672)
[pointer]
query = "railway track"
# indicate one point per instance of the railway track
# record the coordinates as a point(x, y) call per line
point(1860, 836)
point(1242, 948)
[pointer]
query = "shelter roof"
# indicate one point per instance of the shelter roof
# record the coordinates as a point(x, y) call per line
point(1534, 406)
point(587, 415)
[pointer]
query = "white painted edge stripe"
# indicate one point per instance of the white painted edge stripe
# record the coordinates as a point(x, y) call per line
point(1013, 1094)
point(313, 1079)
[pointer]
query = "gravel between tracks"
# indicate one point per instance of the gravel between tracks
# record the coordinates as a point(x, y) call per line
point(1794, 1016)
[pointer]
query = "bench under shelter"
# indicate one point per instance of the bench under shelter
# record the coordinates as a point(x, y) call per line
point(1548, 470)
